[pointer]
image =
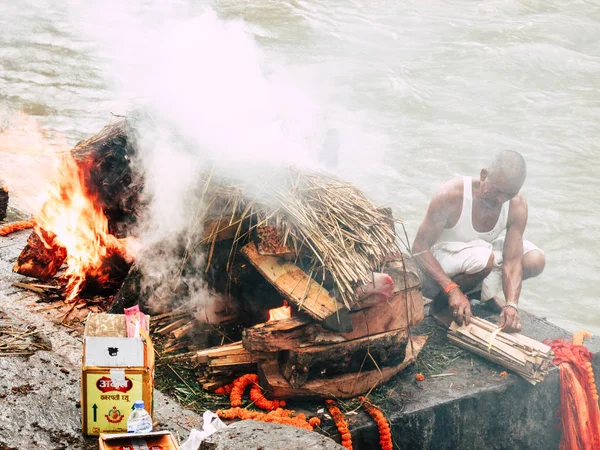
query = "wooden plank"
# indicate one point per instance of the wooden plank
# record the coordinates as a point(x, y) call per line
point(301, 290)
point(287, 334)
point(300, 365)
point(173, 326)
point(402, 310)
point(342, 386)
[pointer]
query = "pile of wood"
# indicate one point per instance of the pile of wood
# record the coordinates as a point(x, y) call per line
point(104, 159)
point(3, 202)
point(304, 238)
point(301, 357)
point(527, 357)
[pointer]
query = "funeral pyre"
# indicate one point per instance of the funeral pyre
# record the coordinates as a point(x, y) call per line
point(307, 285)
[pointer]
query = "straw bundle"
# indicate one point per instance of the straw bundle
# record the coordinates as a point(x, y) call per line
point(343, 233)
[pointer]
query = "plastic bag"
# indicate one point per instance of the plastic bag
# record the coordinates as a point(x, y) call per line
point(211, 423)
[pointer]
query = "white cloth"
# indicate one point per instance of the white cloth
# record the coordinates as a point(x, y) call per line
point(471, 257)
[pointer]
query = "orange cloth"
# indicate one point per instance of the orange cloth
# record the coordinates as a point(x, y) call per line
point(580, 415)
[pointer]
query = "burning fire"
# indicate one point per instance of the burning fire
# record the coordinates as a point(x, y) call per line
point(284, 312)
point(79, 225)
point(70, 214)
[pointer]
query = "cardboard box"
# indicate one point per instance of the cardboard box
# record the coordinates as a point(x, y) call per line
point(158, 440)
point(116, 371)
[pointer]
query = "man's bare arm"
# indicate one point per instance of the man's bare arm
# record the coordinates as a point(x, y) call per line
point(512, 268)
point(437, 218)
point(429, 232)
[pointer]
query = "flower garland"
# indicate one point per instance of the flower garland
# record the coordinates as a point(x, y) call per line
point(224, 390)
point(239, 386)
point(236, 389)
point(341, 423)
point(385, 434)
point(280, 416)
point(257, 397)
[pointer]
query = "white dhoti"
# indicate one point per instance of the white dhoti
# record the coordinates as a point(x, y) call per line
point(471, 257)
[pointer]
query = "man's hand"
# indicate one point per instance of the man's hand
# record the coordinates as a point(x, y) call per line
point(461, 308)
point(509, 320)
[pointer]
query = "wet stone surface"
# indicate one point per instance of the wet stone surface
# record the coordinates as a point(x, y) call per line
point(40, 393)
point(253, 435)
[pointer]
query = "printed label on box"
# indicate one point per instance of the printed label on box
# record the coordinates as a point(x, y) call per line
point(109, 405)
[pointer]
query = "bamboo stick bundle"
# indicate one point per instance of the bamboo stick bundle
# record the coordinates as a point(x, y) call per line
point(525, 356)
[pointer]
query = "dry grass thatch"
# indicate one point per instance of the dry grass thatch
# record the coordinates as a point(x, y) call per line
point(319, 216)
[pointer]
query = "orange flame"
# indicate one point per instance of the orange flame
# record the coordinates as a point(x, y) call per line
point(79, 224)
point(69, 213)
point(284, 312)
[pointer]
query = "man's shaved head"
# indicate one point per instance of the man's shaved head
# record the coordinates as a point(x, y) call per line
point(503, 179)
point(509, 165)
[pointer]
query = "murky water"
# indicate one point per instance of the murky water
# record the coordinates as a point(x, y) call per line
point(418, 92)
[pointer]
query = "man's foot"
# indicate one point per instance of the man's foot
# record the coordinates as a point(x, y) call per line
point(494, 304)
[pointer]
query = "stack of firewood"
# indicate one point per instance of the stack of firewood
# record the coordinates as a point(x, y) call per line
point(527, 357)
point(3, 202)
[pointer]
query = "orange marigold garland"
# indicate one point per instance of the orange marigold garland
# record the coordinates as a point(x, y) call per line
point(385, 434)
point(314, 422)
point(278, 416)
point(224, 390)
point(239, 386)
point(257, 397)
point(341, 423)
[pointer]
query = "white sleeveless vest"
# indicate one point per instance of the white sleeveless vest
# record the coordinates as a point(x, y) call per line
point(463, 231)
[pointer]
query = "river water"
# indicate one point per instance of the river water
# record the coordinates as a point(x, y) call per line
point(415, 92)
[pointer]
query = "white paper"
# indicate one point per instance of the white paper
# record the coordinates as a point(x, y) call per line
point(211, 423)
point(117, 377)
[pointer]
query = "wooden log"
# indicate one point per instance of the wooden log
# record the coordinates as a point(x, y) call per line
point(525, 356)
point(287, 334)
point(342, 386)
point(105, 160)
point(401, 311)
point(3, 202)
point(38, 261)
point(300, 365)
point(223, 363)
point(300, 290)
point(105, 163)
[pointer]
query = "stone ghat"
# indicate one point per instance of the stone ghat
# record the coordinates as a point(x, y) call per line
point(464, 402)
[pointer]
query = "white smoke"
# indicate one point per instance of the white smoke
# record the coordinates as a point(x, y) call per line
point(211, 95)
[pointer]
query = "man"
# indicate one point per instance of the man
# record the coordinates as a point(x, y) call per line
point(459, 249)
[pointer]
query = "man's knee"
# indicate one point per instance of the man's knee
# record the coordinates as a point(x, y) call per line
point(533, 263)
point(485, 267)
point(489, 266)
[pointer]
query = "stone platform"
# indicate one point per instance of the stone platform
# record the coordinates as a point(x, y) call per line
point(463, 403)
point(475, 407)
